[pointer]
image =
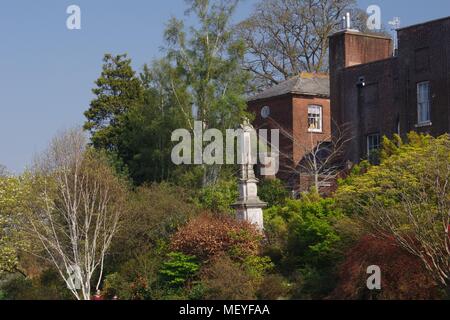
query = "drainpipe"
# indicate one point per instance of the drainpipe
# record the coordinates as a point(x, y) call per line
point(360, 85)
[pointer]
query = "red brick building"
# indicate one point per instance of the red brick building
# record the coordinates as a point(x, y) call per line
point(373, 93)
point(378, 94)
point(300, 109)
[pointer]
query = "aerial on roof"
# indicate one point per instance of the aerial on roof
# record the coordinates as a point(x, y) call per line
point(309, 84)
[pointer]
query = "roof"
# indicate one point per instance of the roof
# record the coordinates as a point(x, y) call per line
point(361, 34)
point(308, 84)
point(424, 23)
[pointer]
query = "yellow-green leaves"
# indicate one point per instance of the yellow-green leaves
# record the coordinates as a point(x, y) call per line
point(11, 196)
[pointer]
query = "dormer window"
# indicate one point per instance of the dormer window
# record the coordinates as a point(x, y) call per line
point(315, 121)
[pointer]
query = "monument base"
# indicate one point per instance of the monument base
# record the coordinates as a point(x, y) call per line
point(251, 212)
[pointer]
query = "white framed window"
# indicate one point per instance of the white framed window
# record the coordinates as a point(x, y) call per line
point(315, 121)
point(373, 145)
point(423, 103)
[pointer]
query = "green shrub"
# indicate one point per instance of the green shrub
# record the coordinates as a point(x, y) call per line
point(305, 244)
point(47, 286)
point(197, 292)
point(273, 192)
point(19, 288)
point(314, 282)
point(273, 287)
point(258, 266)
point(304, 229)
point(225, 279)
point(220, 197)
point(136, 279)
point(406, 198)
point(178, 269)
point(154, 213)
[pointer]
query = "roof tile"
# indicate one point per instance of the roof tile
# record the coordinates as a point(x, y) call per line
point(304, 84)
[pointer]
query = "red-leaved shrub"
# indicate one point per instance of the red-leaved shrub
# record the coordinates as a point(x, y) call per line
point(207, 236)
point(403, 275)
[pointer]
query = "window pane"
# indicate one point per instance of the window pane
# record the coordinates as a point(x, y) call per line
point(315, 118)
point(314, 110)
point(373, 146)
point(423, 102)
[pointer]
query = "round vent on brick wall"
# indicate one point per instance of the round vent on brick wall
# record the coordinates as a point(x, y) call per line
point(265, 112)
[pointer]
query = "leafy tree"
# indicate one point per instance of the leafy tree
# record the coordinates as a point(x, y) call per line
point(406, 198)
point(225, 278)
point(207, 79)
point(207, 65)
point(117, 90)
point(311, 233)
point(258, 266)
point(133, 117)
point(145, 139)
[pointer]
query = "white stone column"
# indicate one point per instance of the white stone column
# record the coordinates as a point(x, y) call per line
point(249, 206)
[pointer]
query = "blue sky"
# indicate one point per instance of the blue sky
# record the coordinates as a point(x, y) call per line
point(47, 72)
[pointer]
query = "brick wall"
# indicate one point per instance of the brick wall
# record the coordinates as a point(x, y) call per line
point(290, 114)
point(281, 112)
point(387, 102)
point(424, 56)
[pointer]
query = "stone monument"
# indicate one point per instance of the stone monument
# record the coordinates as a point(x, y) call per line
point(249, 206)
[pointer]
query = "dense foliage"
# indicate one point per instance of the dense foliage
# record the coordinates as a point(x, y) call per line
point(208, 236)
point(404, 277)
point(178, 269)
point(407, 197)
point(10, 203)
point(172, 231)
point(118, 89)
point(303, 241)
point(273, 192)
